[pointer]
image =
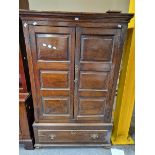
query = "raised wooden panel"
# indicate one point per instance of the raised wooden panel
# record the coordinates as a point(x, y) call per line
point(55, 66)
point(92, 93)
point(91, 106)
point(95, 66)
point(54, 92)
point(96, 47)
point(52, 46)
point(50, 79)
point(54, 106)
point(93, 80)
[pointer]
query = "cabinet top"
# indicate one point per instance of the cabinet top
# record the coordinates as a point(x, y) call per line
point(119, 17)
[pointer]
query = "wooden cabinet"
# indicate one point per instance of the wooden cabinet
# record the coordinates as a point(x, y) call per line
point(26, 120)
point(74, 60)
point(26, 114)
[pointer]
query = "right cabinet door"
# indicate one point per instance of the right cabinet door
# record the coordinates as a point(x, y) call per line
point(97, 61)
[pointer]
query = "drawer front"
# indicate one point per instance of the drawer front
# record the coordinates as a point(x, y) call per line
point(73, 136)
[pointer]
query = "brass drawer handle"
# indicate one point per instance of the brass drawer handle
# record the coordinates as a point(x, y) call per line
point(34, 23)
point(73, 132)
point(94, 136)
point(25, 24)
point(52, 136)
point(119, 26)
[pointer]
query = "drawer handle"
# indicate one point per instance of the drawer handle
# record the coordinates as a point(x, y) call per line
point(52, 137)
point(34, 23)
point(25, 24)
point(73, 132)
point(94, 136)
point(119, 26)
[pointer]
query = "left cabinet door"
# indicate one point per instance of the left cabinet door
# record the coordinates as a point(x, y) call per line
point(51, 54)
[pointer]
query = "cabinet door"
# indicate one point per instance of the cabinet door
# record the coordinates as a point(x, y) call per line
point(97, 63)
point(52, 54)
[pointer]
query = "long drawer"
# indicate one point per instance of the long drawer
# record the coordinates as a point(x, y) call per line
point(70, 135)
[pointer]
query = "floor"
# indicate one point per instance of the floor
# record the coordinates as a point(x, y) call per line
point(128, 150)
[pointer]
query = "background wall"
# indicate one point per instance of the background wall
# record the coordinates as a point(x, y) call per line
point(79, 5)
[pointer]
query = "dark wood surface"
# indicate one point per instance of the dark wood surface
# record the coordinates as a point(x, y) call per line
point(26, 119)
point(73, 134)
point(54, 86)
point(22, 78)
point(26, 114)
point(70, 136)
point(95, 46)
point(74, 61)
point(87, 16)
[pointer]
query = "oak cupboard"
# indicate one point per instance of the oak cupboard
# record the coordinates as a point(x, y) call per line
point(74, 60)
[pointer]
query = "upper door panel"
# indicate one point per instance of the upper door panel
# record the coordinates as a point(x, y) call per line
point(96, 47)
point(52, 46)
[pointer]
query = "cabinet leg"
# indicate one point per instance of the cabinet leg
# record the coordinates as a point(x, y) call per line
point(29, 146)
